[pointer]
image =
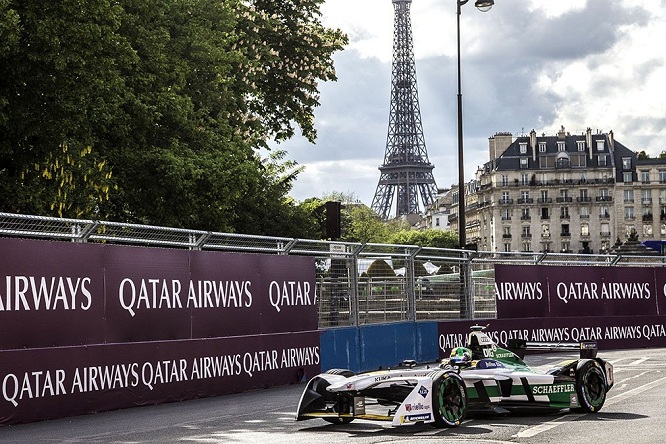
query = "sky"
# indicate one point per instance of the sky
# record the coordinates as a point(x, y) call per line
point(526, 64)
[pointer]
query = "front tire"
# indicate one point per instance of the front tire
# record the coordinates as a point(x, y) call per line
point(449, 400)
point(590, 387)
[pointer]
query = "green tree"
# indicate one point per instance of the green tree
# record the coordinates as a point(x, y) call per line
point(425, 238)
point(173, 97)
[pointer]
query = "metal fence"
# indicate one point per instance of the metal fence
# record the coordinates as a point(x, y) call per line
point(357, 284)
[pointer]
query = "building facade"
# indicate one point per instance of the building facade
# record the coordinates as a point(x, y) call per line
point(563, 193)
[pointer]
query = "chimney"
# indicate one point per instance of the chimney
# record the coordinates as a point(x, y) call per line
point(498, 144)
point(561, 134)
point(611, 140)
point(588, 142)
point(533, 143)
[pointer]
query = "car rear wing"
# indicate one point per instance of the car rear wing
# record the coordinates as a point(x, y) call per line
point(588, 349)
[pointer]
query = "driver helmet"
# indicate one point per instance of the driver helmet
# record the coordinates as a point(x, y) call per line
point(461, 357)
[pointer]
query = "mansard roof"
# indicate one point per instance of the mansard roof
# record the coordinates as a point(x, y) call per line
point(551, 146)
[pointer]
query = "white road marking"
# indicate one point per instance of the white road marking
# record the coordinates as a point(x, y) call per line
point(635, 391)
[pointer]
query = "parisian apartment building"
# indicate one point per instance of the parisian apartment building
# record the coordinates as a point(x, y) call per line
point(573, 193)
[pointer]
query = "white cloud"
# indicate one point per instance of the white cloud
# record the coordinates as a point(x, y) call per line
point(526, 64)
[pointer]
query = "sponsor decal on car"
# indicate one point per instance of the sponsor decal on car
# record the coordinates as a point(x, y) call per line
point(554, 388)
point(416, 418)
point(382, 378)
point(415, 407)
point(423, 391)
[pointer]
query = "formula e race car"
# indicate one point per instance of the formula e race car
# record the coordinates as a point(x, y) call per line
point(480, 377)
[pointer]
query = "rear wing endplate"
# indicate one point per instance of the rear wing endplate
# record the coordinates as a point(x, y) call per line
point(588, 349)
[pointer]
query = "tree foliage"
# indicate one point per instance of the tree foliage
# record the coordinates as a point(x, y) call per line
point(173, 98)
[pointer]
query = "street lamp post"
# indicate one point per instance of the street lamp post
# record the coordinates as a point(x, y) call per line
point(483, 6)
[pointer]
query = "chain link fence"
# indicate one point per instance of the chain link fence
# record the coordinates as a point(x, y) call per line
point(357, 284)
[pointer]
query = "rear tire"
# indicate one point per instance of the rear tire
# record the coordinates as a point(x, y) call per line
point(449, 400)
point(590, 387)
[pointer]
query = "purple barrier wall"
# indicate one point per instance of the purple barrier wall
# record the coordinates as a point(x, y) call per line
point(86, 328)
point(619, 307)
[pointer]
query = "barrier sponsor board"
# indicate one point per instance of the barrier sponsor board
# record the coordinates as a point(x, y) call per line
point(556, 291)
point(62, 294)
point(615, 332)
point(54, 382)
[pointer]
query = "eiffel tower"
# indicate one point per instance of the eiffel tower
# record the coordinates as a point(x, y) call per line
point(406, 166)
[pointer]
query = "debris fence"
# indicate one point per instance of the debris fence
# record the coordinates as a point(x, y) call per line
point(357, 284)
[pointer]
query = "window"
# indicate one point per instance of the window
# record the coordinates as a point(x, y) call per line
point(524, 179)
point(523, 148)
point(628, 196)
point(507, 232)
point(505, 197)
point(583, 197)
point(626, 163)
point(526, 231)
point(605, 229)
point(645, 177)
point(546, 161)
point(584, 230)
point(506, 214)
point(662, 176)
point(629, 213)
point(565, 230)
point(437, 221)
point(523, 162)
point(542, 147)
point(564, 212)
point(602, 160)
point(505, 180)
point(561, 146)
point(646, 197)
point(564, 194)
point(603, 193)
point(527, 246)
point(584, 212)
point(544, 196)
point(603, 212)
point(507, 247)
point(545, 230)
point(545, 214)
point(525, 214)
point(627, 177)
point(600, 145)
point(565, 247)
point(580, 144)
point(525, 196)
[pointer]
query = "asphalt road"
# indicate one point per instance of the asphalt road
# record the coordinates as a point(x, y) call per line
point(635, 412)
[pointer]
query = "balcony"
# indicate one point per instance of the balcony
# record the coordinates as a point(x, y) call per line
point(525, 217)
point(526, 235)
point(545, 200)
point(605, 234)
point(584, 199)
point(566, 234)
point(565, 216)
point(525, 200)
point(505, 201)
point(564, 199)
point(584, 216)
point(506, 217)
point(604, 216)
point(604, 198)
point(506, 236)
point(646, 201)
point(545, 217)
point(545, 235)
point(647, 218)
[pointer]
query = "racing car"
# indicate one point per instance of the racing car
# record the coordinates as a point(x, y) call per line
point(478, 377)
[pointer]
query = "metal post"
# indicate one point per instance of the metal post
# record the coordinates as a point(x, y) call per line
point(462, 235)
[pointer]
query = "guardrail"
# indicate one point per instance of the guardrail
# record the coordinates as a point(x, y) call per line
point(357, 284)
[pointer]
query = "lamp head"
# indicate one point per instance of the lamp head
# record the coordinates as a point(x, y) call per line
point(484, 5)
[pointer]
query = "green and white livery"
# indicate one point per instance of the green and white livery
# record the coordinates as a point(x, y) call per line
point(478, 377)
